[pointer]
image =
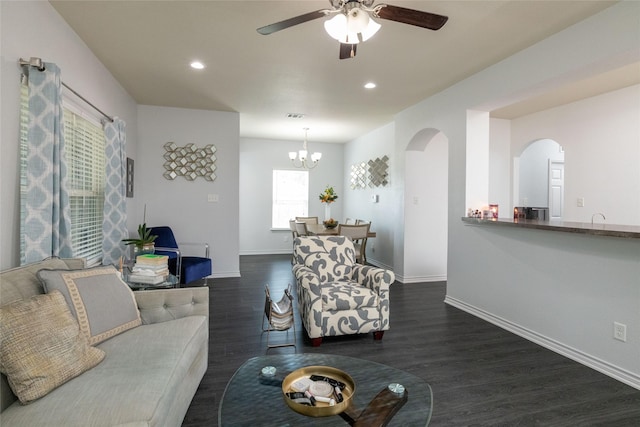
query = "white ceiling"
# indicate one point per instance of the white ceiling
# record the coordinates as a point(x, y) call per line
point(148, 45)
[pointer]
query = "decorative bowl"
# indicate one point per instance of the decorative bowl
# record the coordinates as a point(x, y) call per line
point(321, 409)
point(330, 224)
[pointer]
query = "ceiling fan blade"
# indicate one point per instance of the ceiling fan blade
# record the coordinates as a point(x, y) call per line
point(418, 18)
point(347, 50)
point(301, 19)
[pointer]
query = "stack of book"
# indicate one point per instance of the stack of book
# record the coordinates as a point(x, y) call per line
point(150, 269)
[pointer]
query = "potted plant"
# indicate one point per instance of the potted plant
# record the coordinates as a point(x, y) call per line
point(144, 244)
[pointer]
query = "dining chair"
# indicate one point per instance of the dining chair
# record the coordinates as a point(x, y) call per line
point(308, 219)
point(294, 234)
point(301, 228)
point(358, 235)
point(350, 221)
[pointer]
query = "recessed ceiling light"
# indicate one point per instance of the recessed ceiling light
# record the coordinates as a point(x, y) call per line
point(197, 65)
point(370, 85)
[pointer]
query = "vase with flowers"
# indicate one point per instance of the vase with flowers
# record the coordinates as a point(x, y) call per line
point(327, 197)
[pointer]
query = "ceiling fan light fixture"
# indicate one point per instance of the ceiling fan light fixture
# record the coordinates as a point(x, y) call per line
point(357, 20)
point(371, 30)
point(336, 27)
point(352, 27)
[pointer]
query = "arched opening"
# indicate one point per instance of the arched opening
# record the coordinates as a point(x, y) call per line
point(426, 207)
point(539, 177)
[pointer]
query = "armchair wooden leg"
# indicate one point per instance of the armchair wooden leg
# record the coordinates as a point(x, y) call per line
point(315, 342)
point(377, 335)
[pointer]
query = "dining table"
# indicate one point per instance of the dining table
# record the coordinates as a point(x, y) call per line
point(321, 230)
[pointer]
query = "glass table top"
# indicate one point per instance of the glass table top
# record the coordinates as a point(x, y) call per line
point(250, 400)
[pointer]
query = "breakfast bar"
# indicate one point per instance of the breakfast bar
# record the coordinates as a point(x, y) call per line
point(597, 229)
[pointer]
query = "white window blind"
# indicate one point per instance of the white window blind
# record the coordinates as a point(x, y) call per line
point(84, 151)
point(290, 196)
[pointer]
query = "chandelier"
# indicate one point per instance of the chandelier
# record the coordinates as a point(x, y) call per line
point(301, 159)
point(353, 24)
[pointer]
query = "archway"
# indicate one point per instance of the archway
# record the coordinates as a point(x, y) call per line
point(426, 207)
point(539, 177)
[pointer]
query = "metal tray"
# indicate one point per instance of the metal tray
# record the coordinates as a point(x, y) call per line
point(321, 409)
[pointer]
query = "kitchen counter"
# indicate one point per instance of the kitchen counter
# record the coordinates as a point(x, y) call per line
point(597, 229)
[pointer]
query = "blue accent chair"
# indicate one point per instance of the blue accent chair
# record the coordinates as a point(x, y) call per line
point(185, 268)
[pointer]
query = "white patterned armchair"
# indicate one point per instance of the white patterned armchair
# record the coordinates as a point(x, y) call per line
point(336, 296)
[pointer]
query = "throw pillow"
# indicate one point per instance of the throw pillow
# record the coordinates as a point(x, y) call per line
point(101, 302)
point(41, 346)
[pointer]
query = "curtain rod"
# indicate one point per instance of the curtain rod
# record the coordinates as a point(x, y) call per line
point(37, 63)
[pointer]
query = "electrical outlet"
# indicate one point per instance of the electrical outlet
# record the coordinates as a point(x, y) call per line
point(580, 202)
point(620, 331)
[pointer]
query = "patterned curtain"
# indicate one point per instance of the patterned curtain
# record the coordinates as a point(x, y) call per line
point(114, 224)
point(47, 224)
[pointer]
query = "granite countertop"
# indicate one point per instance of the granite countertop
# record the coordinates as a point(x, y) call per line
point(597, 229)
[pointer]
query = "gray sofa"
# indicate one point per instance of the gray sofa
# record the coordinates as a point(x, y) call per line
point(148, 376)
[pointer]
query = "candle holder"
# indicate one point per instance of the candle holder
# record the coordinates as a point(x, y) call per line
point(493, 211)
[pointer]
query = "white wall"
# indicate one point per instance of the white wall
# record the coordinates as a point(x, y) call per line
point(559, 289)
point(500, 167)
point(601, 141)
point(183, 205)
point(426, 207)
point(35, 29)
point(258, 159)
point(385, 215)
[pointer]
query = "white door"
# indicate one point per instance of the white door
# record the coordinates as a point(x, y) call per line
point(556, 189)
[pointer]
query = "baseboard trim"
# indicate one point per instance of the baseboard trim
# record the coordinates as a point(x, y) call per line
point(267, 252)
point(223, 274)
point(419, 279)
point(595, 363)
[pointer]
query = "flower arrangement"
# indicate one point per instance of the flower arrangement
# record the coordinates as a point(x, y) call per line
point(328, 195)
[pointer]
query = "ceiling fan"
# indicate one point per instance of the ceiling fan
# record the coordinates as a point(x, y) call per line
point(352, 21)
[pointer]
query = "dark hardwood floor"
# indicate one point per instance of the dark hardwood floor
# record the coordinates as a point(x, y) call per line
point(480, 375)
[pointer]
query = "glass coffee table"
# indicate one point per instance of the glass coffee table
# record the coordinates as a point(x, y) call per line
point(170, 281)
point(250, 400)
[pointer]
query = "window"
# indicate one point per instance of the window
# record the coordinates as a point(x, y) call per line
point(85, 154)
point(290, 196)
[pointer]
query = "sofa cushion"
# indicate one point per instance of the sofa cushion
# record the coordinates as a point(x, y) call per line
point(148, 378)
point(41, 346)
point(22, 282)
point(103, 304)
point(346, 296)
